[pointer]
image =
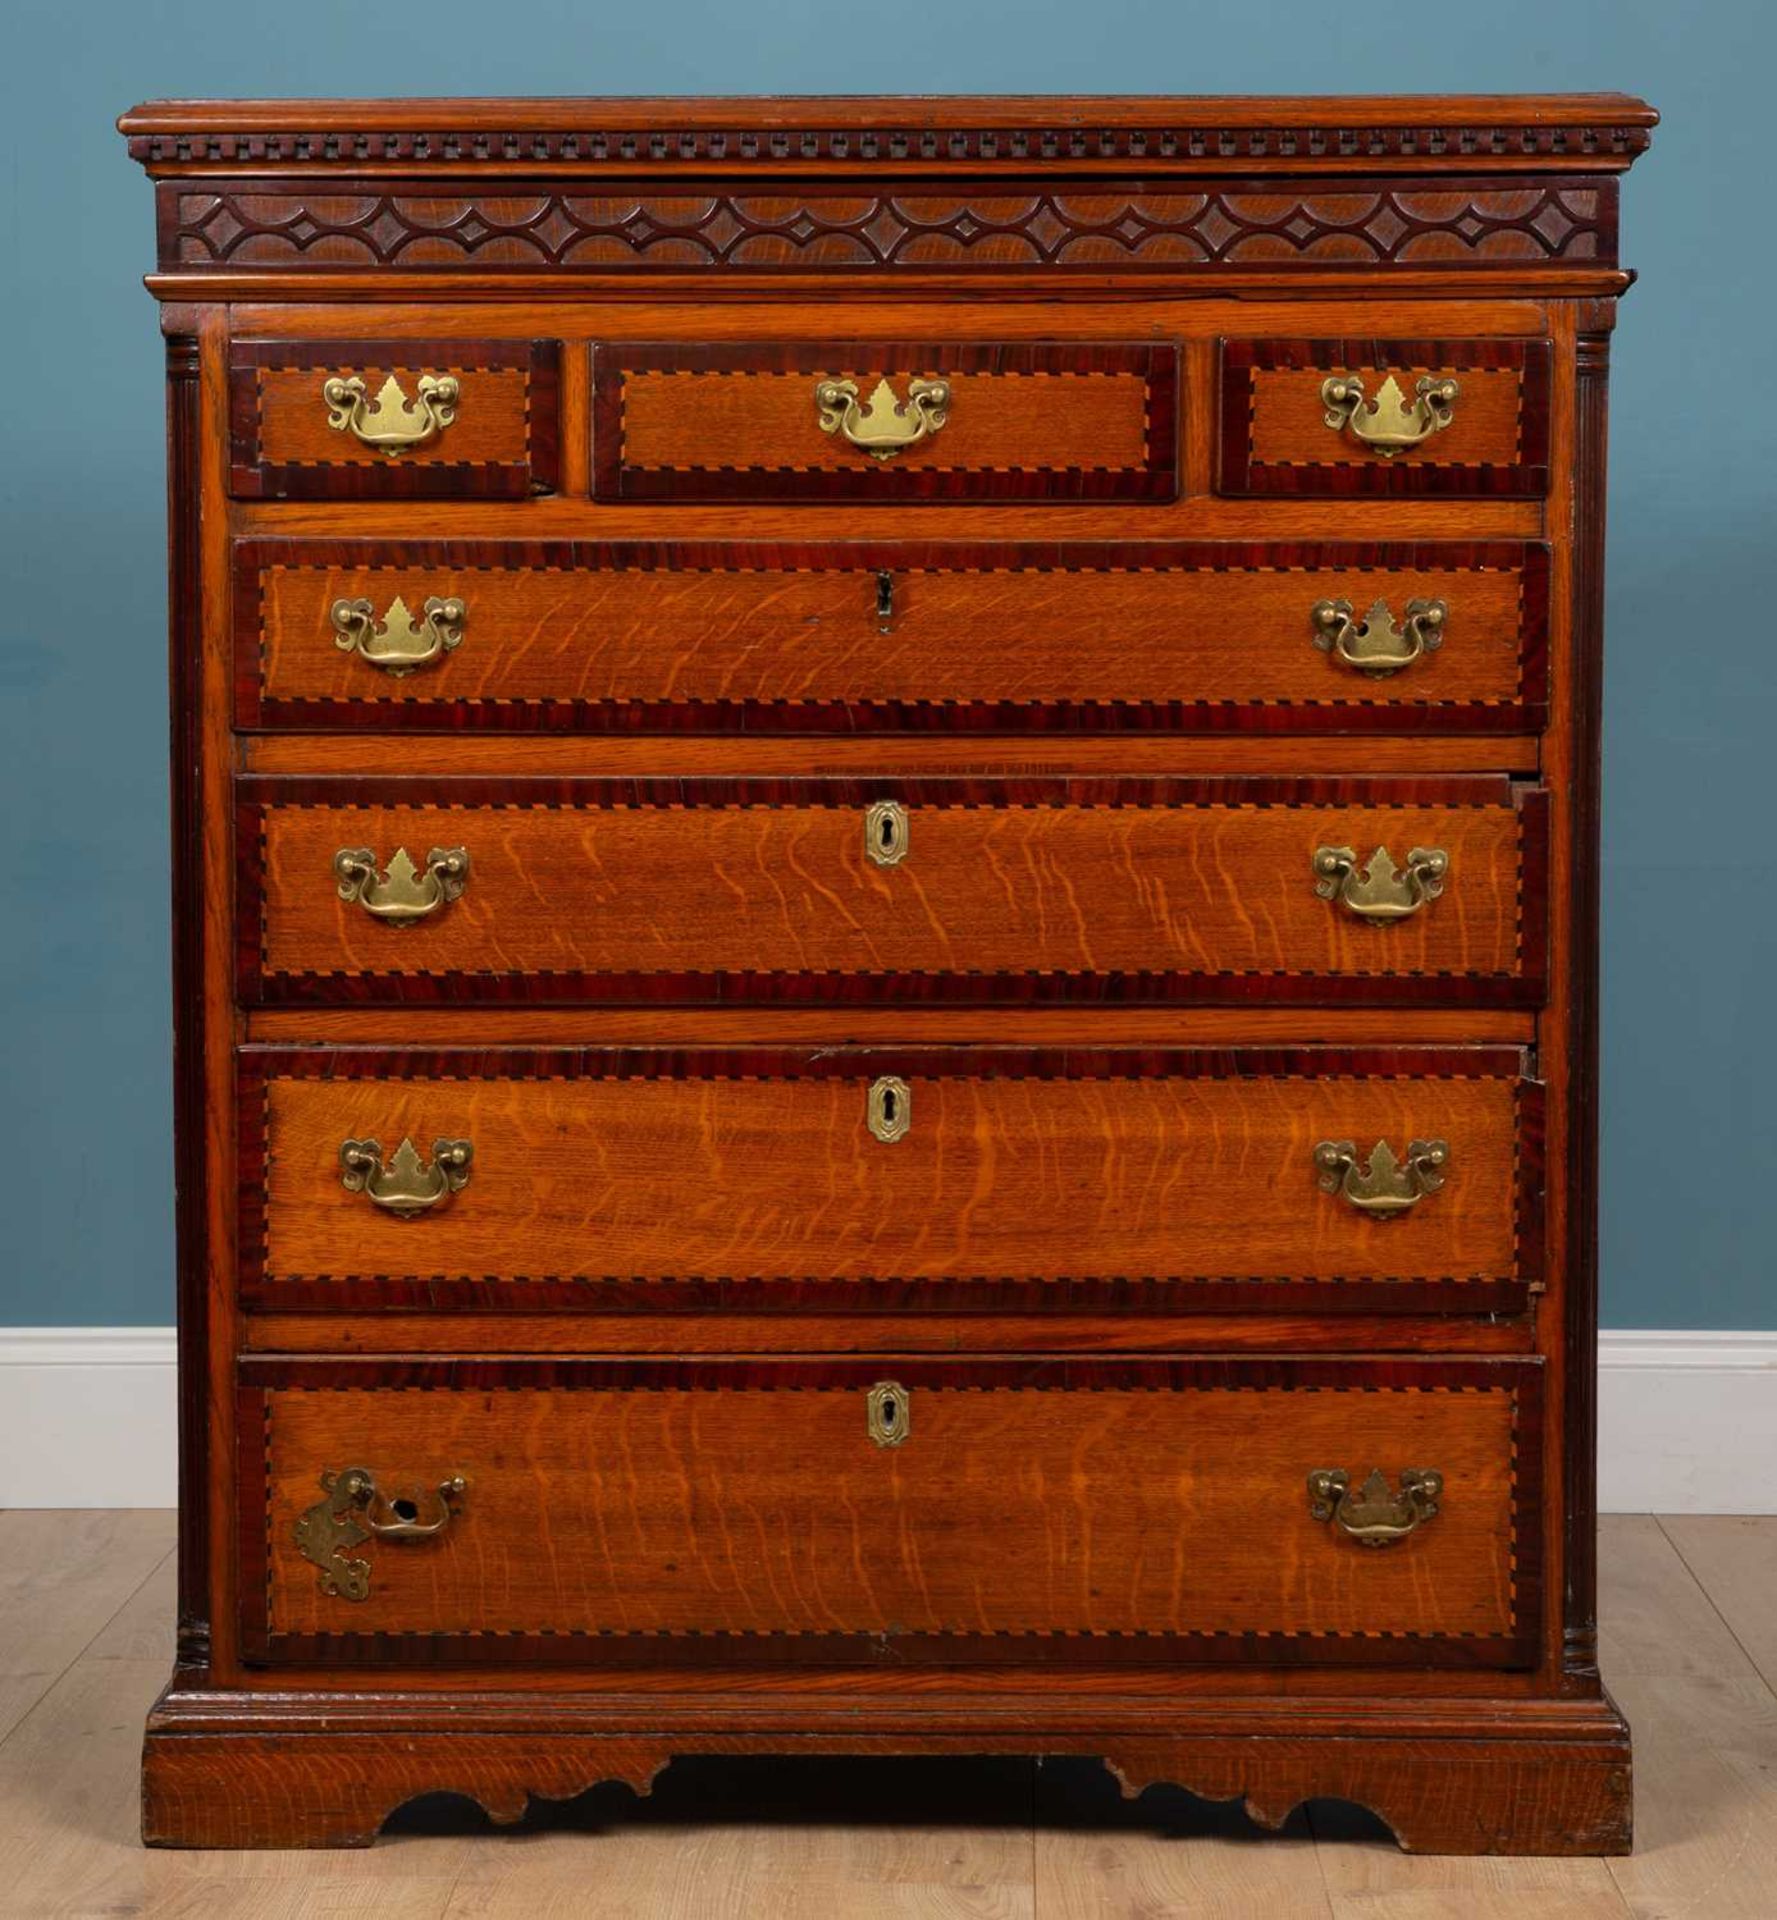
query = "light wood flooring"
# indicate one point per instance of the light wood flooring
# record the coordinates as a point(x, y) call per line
point(1689, 1612)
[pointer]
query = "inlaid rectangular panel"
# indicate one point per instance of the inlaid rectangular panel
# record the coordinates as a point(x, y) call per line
point(393, 419)
point(967, 1179)
point(1448, 417)
point(1316, 637)
point(702, 891)
point(1016, 1511)
point(1052, 421)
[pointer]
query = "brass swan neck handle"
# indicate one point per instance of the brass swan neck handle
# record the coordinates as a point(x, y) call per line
point(354, 1509)
point(406, 1186)
point(391, 423)
point(1382, 1186)
point(882, 426)
point(1374, 645)
point(1380, 891)
point(1377, 1515)
point(1390, 422)
point(397, 645)
point(403, 894)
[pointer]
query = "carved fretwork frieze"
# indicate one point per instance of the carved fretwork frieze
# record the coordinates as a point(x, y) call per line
point(1237, 224)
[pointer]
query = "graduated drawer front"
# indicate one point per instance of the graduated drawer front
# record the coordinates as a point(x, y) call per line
point(1041, 889)
point(464, 419)
point(1282, 432)
point(1080, 1510)
point(855, 1179)
point(723, 637)
point(1051, 421)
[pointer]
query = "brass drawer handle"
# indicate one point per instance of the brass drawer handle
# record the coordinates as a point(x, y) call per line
point(1388, 423)
point(1384, 1186)
point(1377, 1516)
point(889, 1109)
point(405, 1187)
point(397, 645)
point(888, 1416)
point(1374, 645)
point(886, 833)
point(403, 894)
point(1380, 892)
point(354, 1510)
point(882, 426)
point(391, 422)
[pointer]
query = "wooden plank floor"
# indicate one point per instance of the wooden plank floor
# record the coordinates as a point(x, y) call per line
point(86, 1604)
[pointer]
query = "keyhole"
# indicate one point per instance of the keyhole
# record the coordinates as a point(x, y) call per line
point(889, 1412)
point(888, 1117)
point(885, 601)
point(885, 833)
point(405, 1509)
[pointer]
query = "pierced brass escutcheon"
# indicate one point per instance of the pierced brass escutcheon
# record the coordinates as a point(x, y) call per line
point(1384, 1186)
point(888, 1416)
point(886, 832)
point(1381, 891)
point(1374, 645)
point(354, 1510)
point(882, 426)
point(391, 422)
point(1389, 422)
point(1377, 1516)
point(397, 645)
point(403, 894)
point(889, 1109)
point(406, 1186)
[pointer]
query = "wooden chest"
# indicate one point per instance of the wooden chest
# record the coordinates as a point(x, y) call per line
point(886, 849)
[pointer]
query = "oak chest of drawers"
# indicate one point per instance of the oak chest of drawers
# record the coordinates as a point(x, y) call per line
point(885, 872)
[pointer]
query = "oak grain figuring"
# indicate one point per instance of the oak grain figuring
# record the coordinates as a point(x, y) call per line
point(1067, 421)
point(630, 1502)
point(503, 443)
point(1147, 890)
point(753, 1179)
point(576, 634)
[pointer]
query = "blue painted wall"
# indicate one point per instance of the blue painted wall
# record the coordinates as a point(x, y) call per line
point(1690, 930)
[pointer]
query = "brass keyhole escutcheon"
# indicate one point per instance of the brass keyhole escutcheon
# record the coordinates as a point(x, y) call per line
point(886, 833)
point(887, 1413)
point(889, 1110)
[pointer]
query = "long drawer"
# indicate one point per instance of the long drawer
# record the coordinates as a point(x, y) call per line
point(1321, 637)
point(1395, 892)
point(890, 1511)
point(963, 1179)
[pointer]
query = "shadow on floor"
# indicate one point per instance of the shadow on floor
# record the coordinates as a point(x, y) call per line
point(1069, 1793)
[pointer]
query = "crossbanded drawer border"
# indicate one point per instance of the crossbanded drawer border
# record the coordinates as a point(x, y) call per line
point(258, 1067)
point(1158, 479)
point(1519, 1376)
point(417, 708)
point(1241, 475)
point(413, 476)
point(257, 794)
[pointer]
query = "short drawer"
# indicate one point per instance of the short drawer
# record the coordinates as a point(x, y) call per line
point(887, 1511)
point(853, 1179)
point(696, 891)
point(402, 419)
point(1448, 417)
point(908, 420)
point(1317, 637)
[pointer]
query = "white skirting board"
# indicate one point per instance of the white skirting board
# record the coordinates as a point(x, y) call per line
point(87, 1419)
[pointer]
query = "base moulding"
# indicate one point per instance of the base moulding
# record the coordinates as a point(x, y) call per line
point(1537, 1777)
